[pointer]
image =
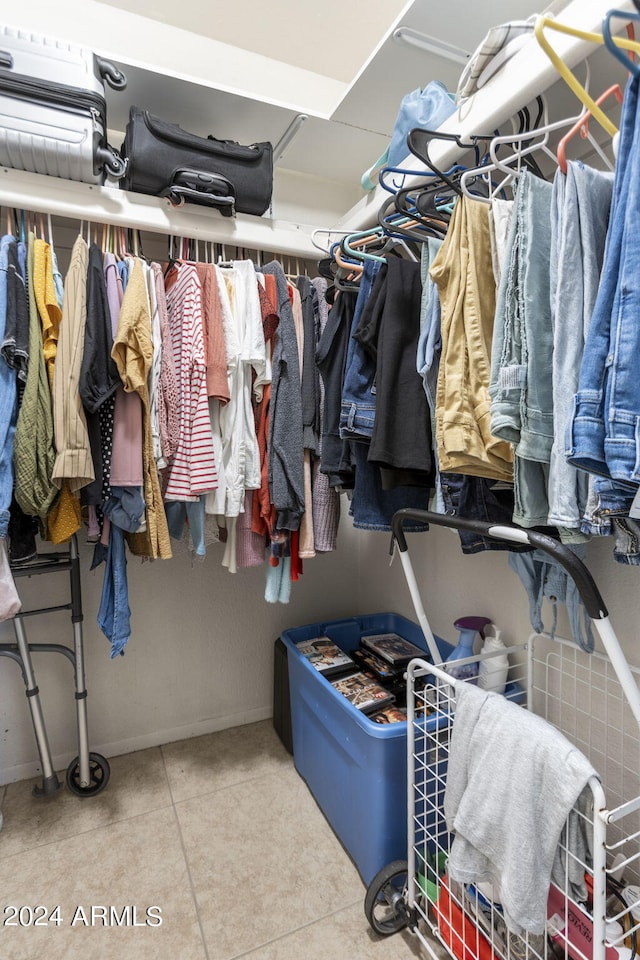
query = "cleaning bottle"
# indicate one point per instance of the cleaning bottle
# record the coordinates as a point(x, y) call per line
point(468, 627)
point(492, 671)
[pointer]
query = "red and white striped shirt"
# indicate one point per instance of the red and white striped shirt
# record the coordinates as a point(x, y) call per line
point(193, 470)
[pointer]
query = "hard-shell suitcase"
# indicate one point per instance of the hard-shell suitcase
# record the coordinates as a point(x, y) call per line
point(53, 112)
point(166, 161)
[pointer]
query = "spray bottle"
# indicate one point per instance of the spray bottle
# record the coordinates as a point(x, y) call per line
point(468, 628)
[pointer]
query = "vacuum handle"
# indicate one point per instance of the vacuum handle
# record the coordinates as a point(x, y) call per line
point(585, 583)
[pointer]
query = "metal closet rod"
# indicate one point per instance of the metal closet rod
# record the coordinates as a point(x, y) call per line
point(107, 205)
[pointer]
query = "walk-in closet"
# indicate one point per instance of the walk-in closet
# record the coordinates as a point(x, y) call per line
point(432, 310)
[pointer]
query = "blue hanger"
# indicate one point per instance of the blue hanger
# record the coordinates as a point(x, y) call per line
point(612, 47)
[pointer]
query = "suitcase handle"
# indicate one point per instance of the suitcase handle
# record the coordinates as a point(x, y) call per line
point(581, 575)
point(109, 72)
point(6, 59)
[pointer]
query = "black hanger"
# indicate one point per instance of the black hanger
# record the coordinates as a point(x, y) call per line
point(419, 139)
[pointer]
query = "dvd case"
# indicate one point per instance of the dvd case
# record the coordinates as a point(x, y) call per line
point(392, 648)
point(363, 691)
point(327, 658)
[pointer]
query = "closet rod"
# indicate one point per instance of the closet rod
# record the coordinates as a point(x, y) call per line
point(83, 201)
point(528, 74)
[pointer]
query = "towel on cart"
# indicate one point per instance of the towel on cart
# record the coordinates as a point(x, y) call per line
point(517, 799)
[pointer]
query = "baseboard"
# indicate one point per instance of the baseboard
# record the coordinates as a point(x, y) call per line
point(24, 771)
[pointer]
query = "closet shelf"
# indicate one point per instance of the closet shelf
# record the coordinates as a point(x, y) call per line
point(528, 74)
point(83, 201)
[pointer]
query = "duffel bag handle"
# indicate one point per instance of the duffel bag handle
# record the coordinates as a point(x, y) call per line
point(208, 189)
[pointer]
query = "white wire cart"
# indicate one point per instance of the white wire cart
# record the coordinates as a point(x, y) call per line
point(594, 700)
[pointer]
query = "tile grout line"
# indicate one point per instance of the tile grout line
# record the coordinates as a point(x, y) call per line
point(226, 786)
point(325, 916)
point(83, 833)
point(186, 858)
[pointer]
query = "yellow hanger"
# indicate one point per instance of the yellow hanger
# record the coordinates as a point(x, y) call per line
point(567, 75)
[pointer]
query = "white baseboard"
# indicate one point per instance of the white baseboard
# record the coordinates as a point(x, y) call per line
point(24, 771)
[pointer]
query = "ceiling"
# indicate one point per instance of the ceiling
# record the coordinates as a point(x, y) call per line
point(332, 38)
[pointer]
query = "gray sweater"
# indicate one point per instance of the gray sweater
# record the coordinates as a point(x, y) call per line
point(512, 782)
point(286, 454)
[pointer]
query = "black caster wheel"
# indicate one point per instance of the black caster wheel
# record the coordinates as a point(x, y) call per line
point(99, 772)
point(385, 904)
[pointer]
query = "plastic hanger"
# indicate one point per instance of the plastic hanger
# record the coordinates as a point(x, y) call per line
point(347, 245)
point(582, 127)
point(543, 23)
point(513, 164)
point(420, 139)
point(611, 45)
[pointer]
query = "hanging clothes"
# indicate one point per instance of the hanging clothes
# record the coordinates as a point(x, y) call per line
point(8, 396)
point(33, 446)
point(325, 499)
point(286, 469)
point(73, 459)
point(582, 203)
point(99, 377)
point(192, 470)
point(133, 354)
point(167, 386)
point(463, 272)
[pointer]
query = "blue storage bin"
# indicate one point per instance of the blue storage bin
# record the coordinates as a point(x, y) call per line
point(355, 768)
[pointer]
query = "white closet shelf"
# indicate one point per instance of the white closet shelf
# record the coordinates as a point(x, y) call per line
point(528, 74)
point(83, 201)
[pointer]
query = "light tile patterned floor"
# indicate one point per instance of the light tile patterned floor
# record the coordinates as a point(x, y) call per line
point(219, 831)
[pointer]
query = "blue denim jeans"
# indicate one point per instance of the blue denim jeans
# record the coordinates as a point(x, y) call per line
point(114, 615)
point(358, 410)
point(429, 350)
point(179, 513)
point(582, 202)
point(522, 350)
point(125, 507)
point(543, 577)
point(477, 498)
point(8, 401)
point(372, 508)
point(605, 430)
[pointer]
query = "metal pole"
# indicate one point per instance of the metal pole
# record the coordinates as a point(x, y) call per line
point(50, 782)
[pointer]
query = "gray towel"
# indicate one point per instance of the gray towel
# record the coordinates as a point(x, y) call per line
point(512, 782)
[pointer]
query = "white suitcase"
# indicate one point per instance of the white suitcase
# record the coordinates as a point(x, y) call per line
point(53, 112)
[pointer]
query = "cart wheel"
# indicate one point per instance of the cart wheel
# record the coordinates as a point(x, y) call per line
point(385, 904)
point(99, 772)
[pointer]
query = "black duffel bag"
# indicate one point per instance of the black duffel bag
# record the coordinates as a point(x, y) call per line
point(165, 161)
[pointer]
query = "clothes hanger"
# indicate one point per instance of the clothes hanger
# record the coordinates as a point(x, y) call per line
point(354, 245)
point(626, 61)
point(540, 137)
point(404, 227)
point(543, 23)
point(582, 127)
point(419, 140)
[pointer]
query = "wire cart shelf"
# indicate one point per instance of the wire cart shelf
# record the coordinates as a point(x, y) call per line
point(593, 700)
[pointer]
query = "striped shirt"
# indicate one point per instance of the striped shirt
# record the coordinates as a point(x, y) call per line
point(192, 470)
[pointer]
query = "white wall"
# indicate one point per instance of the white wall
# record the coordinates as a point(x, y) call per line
point(200, 657)
point(454, 585)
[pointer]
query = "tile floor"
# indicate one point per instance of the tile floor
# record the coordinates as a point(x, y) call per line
point(219, 831)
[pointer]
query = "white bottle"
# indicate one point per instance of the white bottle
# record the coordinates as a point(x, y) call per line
point(492, 671)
